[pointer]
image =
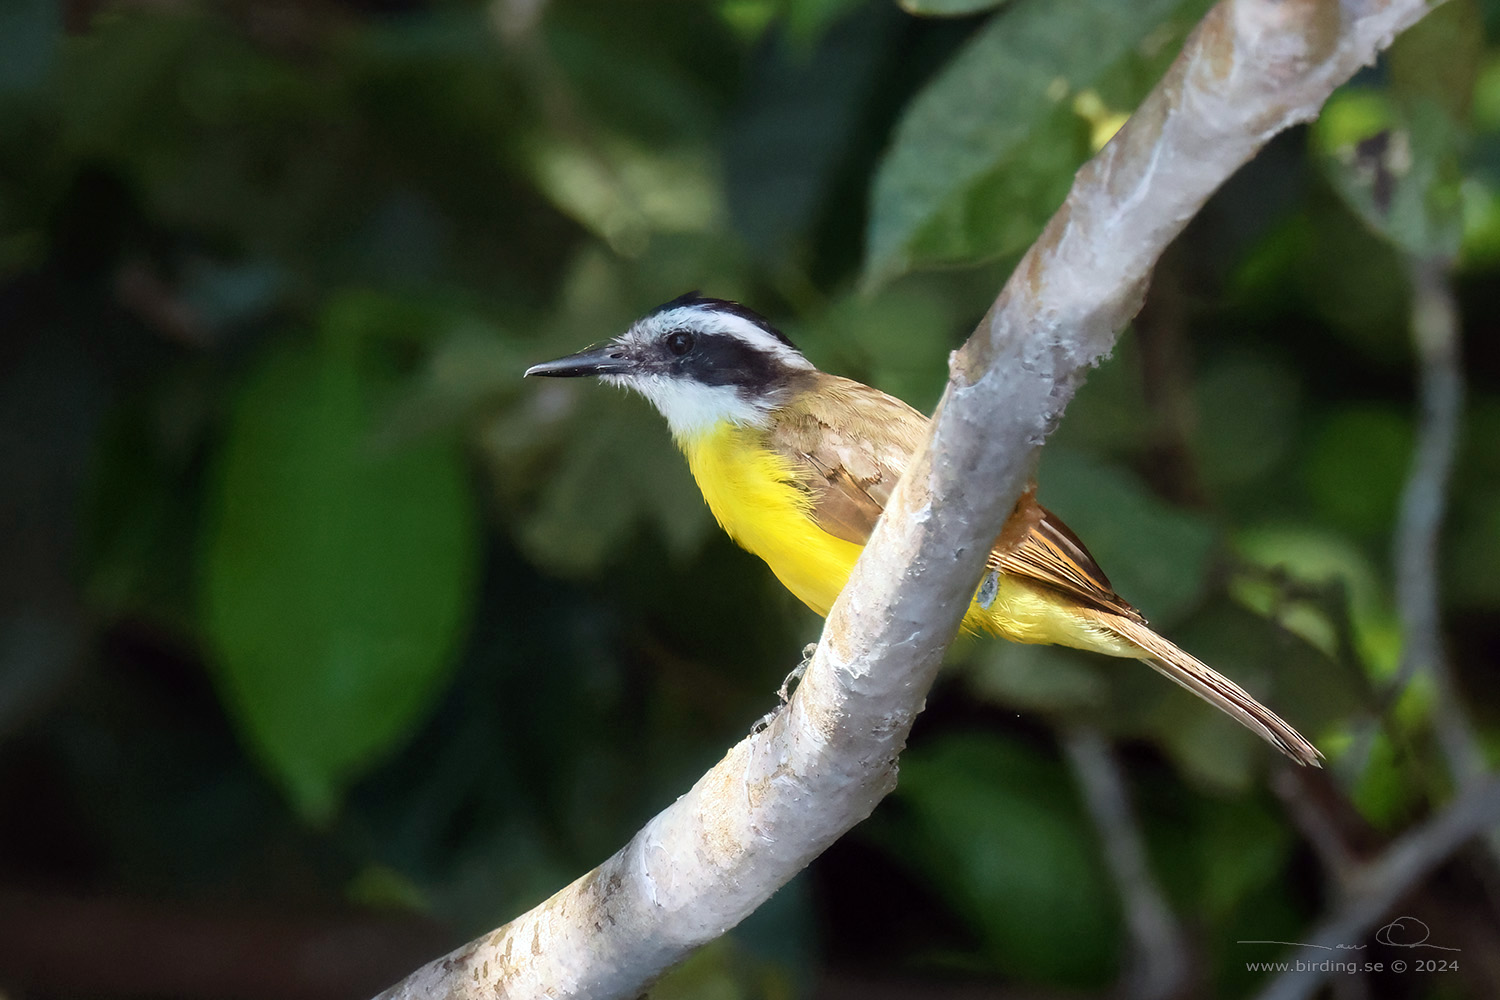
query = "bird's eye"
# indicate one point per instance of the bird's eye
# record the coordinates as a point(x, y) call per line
point(680, 343)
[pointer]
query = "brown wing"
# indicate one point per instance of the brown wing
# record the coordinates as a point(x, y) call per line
point(1036, 545)
point(852, 443)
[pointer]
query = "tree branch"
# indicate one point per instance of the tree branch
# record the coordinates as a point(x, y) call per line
point(782, 795)
point(1158, 966)
point(1440, 395)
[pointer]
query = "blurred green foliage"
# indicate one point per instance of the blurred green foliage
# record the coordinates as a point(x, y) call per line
point(335, 578)
point(994, 826)
point(309, 602)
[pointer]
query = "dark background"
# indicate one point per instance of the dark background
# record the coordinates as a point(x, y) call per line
point(326, 643)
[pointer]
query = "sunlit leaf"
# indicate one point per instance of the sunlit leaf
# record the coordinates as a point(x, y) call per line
point(1309, 557)
point(335, 576)
point(987, 151)
point(1481, 222)
point(748, 18)
point(1486, 106)
point(623, 193)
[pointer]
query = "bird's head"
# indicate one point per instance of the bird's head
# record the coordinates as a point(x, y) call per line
point(702, 362)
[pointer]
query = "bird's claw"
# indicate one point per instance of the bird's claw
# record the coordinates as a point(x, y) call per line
point(784, 693)
point(795, 677)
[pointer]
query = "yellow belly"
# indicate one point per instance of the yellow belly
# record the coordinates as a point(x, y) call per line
point(753, 495)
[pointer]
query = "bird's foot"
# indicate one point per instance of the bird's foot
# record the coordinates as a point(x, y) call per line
point(795, 677)
point(784, 693)
point(989, 589)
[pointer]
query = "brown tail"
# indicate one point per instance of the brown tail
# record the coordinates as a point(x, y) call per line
point(1214, 688)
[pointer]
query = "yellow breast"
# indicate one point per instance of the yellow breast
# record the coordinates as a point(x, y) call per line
point(753, 495)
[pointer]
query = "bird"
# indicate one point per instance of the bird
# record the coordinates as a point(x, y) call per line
point(797, 464)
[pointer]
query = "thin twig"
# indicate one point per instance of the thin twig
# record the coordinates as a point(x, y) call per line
point(1435, 333)
point(1378, 886)
point(1436, 339)
point(1159, 961)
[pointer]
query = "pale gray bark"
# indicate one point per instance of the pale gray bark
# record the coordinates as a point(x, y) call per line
point(782, 795)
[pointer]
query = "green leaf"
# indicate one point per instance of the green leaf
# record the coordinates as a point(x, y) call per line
point(1110, 410)
point(998, 829)
point(1386, 793)
point(1241, 848)
point(1212, 853)
point(1313, 558)
point(335, 576)
point(1305, 685)
point(658, 70)
point(1396, 166)
point(1396, 152)
point(987, 151)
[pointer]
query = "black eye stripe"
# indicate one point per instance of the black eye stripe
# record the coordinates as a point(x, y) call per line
point(721, 359)
point(679, 342)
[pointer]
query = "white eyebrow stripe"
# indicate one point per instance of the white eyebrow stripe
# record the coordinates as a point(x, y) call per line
point(717, 322)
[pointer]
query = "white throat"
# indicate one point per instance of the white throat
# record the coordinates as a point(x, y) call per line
point(692, 408)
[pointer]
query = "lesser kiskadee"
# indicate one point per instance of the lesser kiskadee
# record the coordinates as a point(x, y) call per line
point(797, 465)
